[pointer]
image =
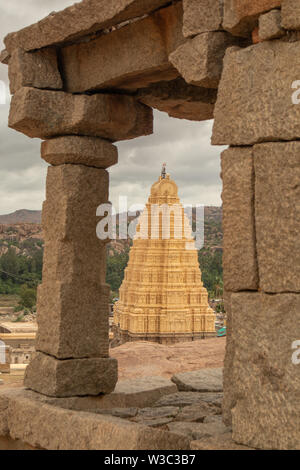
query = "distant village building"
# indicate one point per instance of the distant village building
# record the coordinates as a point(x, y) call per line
point(162, 298)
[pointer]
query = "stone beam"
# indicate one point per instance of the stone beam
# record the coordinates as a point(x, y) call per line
point(46, 114)
point(255, 96)
point(290, 10)
point(81, 19)
point(241, 17)
point(129, 58)
point(239, 243)
point(200, 60)
point(34, 69)
point(180, 100)
point(277, 215)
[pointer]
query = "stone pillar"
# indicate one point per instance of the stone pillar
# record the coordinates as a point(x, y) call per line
point(73, 332)
point(254, 114)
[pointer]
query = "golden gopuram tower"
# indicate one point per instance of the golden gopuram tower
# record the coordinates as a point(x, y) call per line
point(162, 298)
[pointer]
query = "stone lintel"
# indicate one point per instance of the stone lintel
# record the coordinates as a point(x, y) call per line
point(79, 20)
point(46, 114)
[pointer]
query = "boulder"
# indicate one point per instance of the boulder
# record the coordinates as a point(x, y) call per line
point(46, 114)
point(204, 380)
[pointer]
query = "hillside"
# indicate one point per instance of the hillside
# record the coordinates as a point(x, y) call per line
point(21, 216)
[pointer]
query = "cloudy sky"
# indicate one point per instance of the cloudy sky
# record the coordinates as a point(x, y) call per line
point(184, 145)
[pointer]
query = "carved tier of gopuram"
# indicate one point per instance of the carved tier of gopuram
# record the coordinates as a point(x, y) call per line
point(162, 298)
point(89, 76)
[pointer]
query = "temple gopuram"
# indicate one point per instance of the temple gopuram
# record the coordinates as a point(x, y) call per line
point(162, 298)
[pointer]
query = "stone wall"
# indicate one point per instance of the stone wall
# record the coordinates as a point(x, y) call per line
point(169, 57)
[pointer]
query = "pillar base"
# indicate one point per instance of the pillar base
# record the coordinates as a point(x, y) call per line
point(72, 377)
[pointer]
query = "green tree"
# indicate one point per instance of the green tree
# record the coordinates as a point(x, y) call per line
point(27, 297)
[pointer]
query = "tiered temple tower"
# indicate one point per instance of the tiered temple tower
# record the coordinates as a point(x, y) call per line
point(162, 297)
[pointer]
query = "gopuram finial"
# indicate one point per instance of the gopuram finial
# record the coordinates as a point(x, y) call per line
point(163, 171)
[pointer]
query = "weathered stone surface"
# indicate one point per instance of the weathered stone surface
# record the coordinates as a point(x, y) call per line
point(79, 20)
point(277, 215)
point(6, 350)
point(220, 442)
point(255, 95)
point(4, 57)
point(73, 296)
point(200, 60)
point(213, 419)
point(45, 114)
point(139, 393)
point(160, 412)
point(34, 69)
point(205, 380)
point(87, 151)
point(189, 398)
point(229, 395)
point(109, 61)
point(239, 249)
point(71, 377)
point(197, 430)
point(124, 413)
point(50, 427)
point(270, 25)
point(201, 16)
point(240, 16)
point(290, 10)
point(265, 381)
point(198, 412)
point(180, 100)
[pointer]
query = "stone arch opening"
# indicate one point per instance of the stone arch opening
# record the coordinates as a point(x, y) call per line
point(80, 107)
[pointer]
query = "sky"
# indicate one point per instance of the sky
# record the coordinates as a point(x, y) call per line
point(184, 145)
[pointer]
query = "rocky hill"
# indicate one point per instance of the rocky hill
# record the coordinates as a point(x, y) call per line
point(23, 230)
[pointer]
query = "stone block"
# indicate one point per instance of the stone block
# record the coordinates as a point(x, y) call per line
point(239, 243)
point(34, 69)
point(79, 20)
point(72, 377)
point(129, 58)
point(199, 412)
point(4, 57)
point(201, 16)
point(277, 215)
point(50, 427)
point(190, 398)
point(46, 114)
point(255, 96)
point(204, 380)
point(270, 25)
point(241, 16)
point(73, 194)
point(73, 319)
point(195, 431)
point(290, 10)
point(87, 151)
point(200, 60)
point(265, 379)
point(180, 100)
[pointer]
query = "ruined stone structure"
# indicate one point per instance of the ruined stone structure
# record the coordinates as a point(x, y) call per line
point(162, 297)
point(88, 76)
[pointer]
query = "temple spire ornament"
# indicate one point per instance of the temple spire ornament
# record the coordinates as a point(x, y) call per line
point(162, 297)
